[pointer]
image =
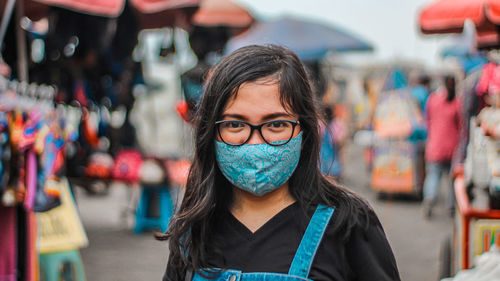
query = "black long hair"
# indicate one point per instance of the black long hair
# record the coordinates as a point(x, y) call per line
point(208, 192)
point(450, 88)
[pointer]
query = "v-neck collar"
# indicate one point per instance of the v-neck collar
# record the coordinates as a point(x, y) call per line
point(244, 231)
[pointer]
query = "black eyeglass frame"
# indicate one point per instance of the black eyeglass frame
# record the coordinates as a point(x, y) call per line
point(258, 128)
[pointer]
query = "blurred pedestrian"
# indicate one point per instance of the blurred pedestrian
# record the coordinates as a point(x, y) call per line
point(256, 206)
point(332, 135)
point(420, 91)
point(443, 121)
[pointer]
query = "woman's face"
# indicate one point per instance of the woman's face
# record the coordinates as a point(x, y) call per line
point(257, 102)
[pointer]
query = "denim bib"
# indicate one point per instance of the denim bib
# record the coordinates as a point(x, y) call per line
point(302, 261)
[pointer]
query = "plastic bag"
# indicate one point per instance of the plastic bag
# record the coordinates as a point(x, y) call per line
point(487, 268)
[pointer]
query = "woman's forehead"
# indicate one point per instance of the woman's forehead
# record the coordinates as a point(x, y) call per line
point(256, 98)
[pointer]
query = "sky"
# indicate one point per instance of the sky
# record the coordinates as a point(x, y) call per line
point(389, 25)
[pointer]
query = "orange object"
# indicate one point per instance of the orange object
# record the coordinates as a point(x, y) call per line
point(90, 132)
point(393, 168)
point(449, 16)
point(150, 13)
point(154, 6)
point(178, 171)
point(222, 12)
point(161, 13)
point(109, 8)
point(469, 219)
point(458, 170)
point(16, 128)
point(182, 108)
point(59, 162)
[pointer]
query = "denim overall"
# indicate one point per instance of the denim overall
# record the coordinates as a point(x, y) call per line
point(301, 264)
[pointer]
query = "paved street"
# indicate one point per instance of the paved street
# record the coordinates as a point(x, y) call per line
point(115, 253)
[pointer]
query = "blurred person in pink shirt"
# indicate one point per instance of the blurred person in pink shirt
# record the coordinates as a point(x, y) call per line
point(443, 118)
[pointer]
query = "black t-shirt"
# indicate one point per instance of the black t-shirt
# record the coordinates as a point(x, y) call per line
point(365, 255)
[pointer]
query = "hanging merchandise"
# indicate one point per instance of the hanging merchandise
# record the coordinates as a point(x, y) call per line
point(397, 123)
point(490, 80)
point(473, 246)
point(61, 228)
point(99, 165)
point(127, 165)
point(33, 136)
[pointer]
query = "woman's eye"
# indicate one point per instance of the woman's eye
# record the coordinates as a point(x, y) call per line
point(233, 125)
point(278, 124)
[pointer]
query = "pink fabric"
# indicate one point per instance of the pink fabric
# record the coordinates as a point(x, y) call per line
point(483, 84)
point(443, 122)
point(31, 174)
point(8, 244)
point(489, 83)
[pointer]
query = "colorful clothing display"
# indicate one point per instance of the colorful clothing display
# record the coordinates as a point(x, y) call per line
point(32, 135)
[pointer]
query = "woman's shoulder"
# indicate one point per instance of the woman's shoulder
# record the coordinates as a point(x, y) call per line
point(352, 214)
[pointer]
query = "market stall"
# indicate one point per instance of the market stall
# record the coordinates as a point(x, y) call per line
point(74, 129)
point(475, 168)
point(397, 166)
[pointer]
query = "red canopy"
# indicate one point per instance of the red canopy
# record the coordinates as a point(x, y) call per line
point(33, 10)
point(487, 40)
point(108, 8)
point(161, 13)
point(150, 13)
point(448, 16)
point(155, 6)
point(113, 8)
point(222, 12)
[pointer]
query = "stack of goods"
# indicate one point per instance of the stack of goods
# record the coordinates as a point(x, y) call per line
point(488, 121)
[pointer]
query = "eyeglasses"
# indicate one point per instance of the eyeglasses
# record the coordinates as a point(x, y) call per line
point(274, 132)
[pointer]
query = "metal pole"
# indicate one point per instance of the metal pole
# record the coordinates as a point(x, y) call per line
point(22, 59)
point(9, 7)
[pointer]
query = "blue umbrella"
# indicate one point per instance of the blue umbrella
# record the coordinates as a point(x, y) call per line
point(310, 40)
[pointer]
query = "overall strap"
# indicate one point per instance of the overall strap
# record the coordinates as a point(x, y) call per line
point(304, 256)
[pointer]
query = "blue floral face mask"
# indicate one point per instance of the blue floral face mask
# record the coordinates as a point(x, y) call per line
point(258, 168)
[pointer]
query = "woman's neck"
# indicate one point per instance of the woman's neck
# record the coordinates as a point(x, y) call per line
point(254, 211)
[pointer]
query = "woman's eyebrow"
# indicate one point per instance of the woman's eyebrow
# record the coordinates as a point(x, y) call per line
point(234, 115)
point(264, 118)
point(277, 115)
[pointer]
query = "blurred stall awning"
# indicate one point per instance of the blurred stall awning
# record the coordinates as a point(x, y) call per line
point(222, 13)
point(150, 13)
point(107, 8)
point(155, 6)
point(310, 40)
point(162, 13)
point(33, 10)
point(488, 39)
point(449, 16)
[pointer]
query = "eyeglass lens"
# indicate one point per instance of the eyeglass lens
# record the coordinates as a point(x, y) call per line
point(237, 132)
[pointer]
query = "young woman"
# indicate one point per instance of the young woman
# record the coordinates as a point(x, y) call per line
point(256, 205)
